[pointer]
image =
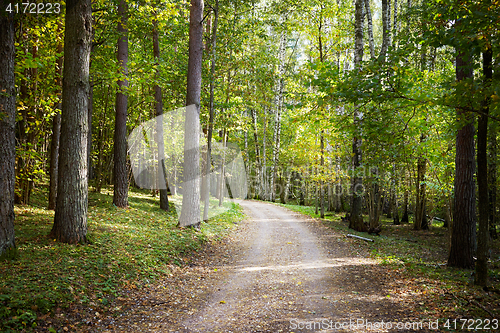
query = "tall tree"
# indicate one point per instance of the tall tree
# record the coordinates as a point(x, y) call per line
point(70, 221)
point(356, 221)
point(463, 236)
point(190, 214)
point(120, 188)
point(386, 28)
point(371, 42)
point(482, 176)
point(278, 107)
point(56, 132)
point(492, 176)
point(211, 112)
point(7, 132)
point(162, 171)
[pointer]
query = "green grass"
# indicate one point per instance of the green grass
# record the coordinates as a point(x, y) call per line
point(127, 247)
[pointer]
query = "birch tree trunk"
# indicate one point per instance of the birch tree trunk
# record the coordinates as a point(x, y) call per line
point(370, 29)
point(395, 25)
point(258, 183)
point(386, 29)
point(190, 213)
point(279, 107)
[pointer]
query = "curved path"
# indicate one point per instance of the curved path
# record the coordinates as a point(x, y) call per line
point(280, 272)
point(289, 275)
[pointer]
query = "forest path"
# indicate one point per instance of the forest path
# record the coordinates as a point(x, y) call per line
point(280, 272)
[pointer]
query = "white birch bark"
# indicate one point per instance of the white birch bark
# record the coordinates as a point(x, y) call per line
point(370, 28)
point(278, 108)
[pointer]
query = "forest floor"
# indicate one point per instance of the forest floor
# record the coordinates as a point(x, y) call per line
point(281, 269)
point(284, 272)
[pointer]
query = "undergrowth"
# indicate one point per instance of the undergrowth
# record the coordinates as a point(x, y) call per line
point(127, 247)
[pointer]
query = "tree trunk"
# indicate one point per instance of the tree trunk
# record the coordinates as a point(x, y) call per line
point(356, 221)
point(211, 116)
point(482, 178)
point(322, 162)
point(288, 178)
point(279, 106)
point(405, 217)
point(162, 172)
point(464, 225)
point(56, 132)
point(102, 134)
point(370, 29)
point(120, 183)
point(420, 222)
point(395, 25)
point(222, 179)
point(375, 205)
point(190, 214)
point(7, 135)
point(386, 29)
point(70, 221)
point(492, 177)
point(264, 166)
point(258, 184)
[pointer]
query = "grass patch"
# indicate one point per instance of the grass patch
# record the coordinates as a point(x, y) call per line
point(419, 257)
point(128, 248)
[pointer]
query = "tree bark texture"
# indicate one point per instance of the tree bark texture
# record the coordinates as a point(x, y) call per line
point(492, 177)
point(70, 221)
point(211, 113)
point(56, 133)
point(7, 134)
point(258, 185)
point(356, 221)
point(222, 176)
point(370, 29)
point(190, 214)
point(279, 109)
point(120, 183)
point(386, 29)
point(264, 160)
point(463, 236)
point(321, 186)
point(483, 238)
point(404, 218)
point(162, 172)
point(420, 222)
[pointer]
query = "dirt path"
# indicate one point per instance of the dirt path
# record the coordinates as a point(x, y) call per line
point(281, 272)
